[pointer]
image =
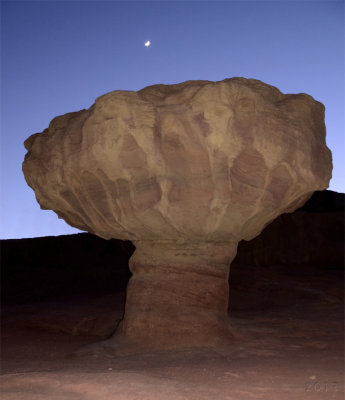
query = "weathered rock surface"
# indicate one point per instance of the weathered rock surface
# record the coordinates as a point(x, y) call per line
point(200, 160)
point(185, 171)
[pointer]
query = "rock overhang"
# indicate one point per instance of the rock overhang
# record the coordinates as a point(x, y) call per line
point(198, 160)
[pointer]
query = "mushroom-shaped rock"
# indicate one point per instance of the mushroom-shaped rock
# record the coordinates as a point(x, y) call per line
point(185, 171)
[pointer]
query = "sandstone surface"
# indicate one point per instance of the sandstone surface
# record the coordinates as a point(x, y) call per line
point(199, 160)
point(185, 171)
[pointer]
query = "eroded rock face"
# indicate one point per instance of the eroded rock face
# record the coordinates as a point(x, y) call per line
point(200, 160)
point(184, 171)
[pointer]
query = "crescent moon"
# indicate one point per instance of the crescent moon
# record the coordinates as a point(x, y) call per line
point(147, 43)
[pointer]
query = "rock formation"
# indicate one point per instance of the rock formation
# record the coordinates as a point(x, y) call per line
point(185, 171)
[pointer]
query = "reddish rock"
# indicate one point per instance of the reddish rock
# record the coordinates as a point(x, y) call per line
point(184, 171)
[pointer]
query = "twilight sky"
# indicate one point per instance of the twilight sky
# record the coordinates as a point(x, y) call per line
point(58, 56)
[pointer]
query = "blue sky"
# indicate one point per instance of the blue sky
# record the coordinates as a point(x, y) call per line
point(58, 56)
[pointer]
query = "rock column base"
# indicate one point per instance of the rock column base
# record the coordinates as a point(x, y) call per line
point(178, 296)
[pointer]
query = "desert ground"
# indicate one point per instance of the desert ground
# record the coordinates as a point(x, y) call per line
point(288, 326)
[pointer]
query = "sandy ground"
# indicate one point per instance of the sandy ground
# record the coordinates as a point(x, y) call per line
point(289, 346)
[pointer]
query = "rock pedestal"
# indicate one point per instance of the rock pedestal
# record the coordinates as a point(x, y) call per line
point(178, 294)
point(185, 171)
